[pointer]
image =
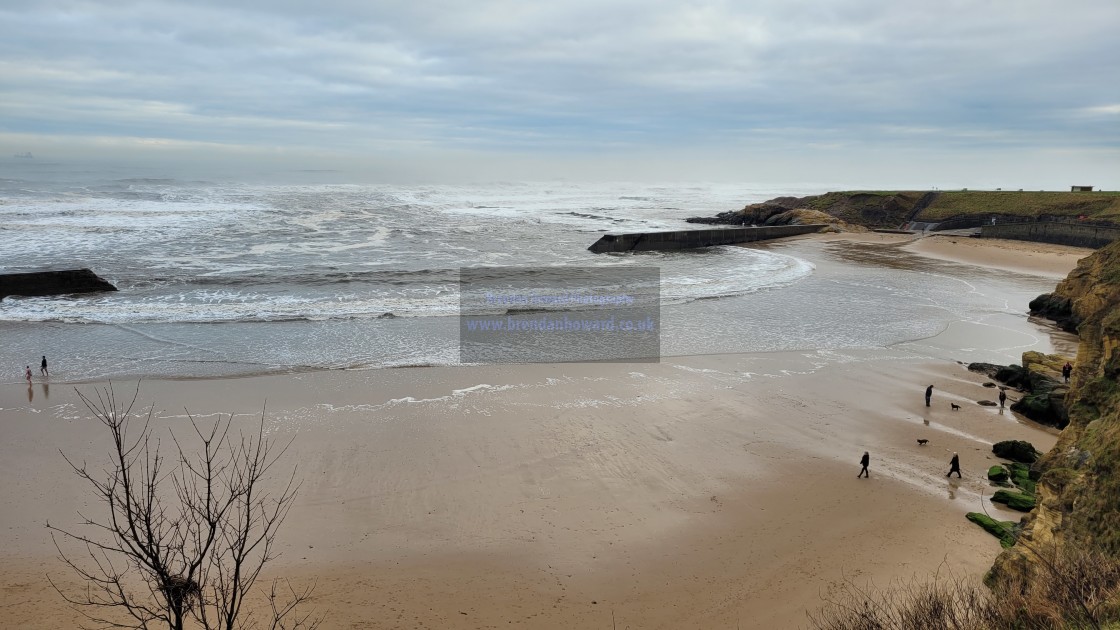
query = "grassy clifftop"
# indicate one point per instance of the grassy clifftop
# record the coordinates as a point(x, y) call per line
point(890, 209)
point(1079, 490)
point(1095, 205)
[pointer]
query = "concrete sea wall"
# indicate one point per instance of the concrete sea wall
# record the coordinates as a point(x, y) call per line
point(1058, 232)
point(688, 239)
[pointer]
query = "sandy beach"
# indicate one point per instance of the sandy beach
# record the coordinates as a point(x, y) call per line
point(712, 491)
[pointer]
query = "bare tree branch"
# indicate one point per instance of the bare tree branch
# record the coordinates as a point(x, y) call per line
point(183, 539)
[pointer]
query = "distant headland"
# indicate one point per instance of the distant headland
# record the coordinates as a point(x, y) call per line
point(1080, 218)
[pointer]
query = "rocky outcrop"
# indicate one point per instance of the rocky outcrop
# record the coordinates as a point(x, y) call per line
point(1057, 308)
point(1039, 377)
point(1081, 219)
point(1014, 500)
point(1016, 451)
point(845, 210)
point(52, 283)
point(1080, 476)
point(1005, 531)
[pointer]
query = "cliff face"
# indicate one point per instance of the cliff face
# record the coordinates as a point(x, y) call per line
point(1079, 488)
point(870, 209)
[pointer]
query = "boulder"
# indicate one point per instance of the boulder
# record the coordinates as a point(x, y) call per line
point(1013, 375)
point(1056, 308)
point(1047, 408)
point(998, 474)
point(1016, 451)
point(1023, 477)
point(1014, 500)
point(1003, 530)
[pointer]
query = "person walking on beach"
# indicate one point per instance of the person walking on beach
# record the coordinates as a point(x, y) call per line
point(955, 466)
point(43, 367)
point(865, 461)
point(28, 373)
point(1002, 398)
point(929, 394)
point(1067, 369)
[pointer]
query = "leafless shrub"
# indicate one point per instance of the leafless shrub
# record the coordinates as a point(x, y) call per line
point(183, 541)
point(1072, 586)
point(905, 605)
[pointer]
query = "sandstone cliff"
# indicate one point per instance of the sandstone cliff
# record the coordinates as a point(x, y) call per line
point(1079, 488)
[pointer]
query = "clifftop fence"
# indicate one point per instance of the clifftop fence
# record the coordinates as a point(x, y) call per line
point(689, 239)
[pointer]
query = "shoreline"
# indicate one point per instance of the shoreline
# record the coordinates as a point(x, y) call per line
point(701, 491)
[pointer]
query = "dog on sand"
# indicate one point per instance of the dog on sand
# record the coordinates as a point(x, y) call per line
point(922, 442)
point(955, 406)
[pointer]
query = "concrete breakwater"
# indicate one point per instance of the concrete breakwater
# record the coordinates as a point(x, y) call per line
point(689, 239)
point(52, 283)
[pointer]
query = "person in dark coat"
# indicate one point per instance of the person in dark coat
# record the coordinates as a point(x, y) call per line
point(929, 394)
point(43, 367)
point(1002, 398)
point(1067, 369)
point(865, 461)
point(955, 466)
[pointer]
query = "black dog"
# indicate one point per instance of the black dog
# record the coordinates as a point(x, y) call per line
point(922, 442)
point(955, 406)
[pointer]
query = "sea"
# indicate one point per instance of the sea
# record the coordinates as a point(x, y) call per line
point(302, 271)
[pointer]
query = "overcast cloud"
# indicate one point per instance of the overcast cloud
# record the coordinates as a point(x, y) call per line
point(792, 90)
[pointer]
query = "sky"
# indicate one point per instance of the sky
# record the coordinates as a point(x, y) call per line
point(1022, 94)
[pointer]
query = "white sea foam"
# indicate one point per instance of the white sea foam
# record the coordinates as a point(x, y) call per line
point(301, 276)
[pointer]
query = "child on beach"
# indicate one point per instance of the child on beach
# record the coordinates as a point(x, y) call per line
point(28, 373)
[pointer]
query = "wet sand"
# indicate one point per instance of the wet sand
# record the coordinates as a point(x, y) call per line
point(698, 492)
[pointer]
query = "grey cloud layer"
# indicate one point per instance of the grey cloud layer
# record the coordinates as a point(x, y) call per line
point(565, 76)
